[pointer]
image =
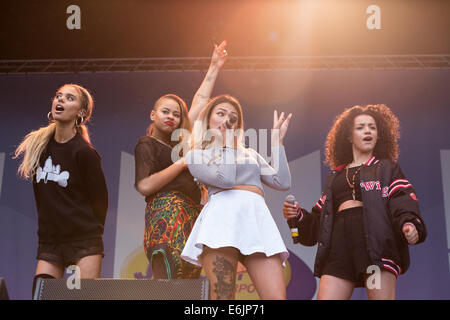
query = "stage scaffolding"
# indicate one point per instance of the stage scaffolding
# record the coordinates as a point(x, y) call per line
point(182, 64)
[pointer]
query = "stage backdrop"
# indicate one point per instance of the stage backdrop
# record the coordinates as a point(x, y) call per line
point(420, 98)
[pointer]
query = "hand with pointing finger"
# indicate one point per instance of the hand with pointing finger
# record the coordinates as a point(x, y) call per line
point(219, 55)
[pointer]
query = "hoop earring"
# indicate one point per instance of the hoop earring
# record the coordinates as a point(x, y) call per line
point(79, 123)
point(49, 117)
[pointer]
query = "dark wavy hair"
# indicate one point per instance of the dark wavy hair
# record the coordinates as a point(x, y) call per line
point(338, 148)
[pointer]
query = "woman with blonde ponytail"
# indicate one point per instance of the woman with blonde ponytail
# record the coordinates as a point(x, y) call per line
point(69, 187)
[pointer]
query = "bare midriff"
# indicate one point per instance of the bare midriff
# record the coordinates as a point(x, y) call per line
point(350, 204)
point(253, 189)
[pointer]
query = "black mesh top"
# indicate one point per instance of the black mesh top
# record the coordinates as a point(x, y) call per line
point(152, 156)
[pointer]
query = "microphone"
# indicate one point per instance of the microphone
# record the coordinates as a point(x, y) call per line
point(292, 222)
point(232, 121)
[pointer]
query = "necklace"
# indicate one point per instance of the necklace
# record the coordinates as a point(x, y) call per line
point(352, 185)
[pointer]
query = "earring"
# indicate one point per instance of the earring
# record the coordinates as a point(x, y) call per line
point(49, 117)
point(79, 123)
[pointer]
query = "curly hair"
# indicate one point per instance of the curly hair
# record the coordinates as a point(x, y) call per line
point(338, 148)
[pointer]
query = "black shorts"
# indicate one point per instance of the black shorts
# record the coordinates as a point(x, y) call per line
point(348, 258)
point(68, 253)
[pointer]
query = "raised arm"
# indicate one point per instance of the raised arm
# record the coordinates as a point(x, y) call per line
point(277, 175)
point(203, 93)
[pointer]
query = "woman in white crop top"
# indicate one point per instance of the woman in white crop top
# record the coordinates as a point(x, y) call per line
point(235, 224)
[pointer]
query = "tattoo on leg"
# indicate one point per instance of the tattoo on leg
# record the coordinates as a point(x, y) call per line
point(224, 272)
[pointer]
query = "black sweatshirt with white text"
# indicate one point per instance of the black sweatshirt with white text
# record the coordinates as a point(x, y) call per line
point(70, 192)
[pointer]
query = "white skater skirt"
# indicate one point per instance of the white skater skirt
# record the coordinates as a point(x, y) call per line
point(235, 218)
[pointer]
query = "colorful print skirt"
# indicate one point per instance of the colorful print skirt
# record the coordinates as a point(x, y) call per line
point(169, 218)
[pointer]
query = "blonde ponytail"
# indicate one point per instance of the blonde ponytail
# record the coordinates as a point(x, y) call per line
point(32, 147)
point(84, 132)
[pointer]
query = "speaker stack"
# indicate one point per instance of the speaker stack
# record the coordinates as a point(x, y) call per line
point(122, 289)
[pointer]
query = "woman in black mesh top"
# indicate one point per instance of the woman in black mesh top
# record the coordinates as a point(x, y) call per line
point(173, 197)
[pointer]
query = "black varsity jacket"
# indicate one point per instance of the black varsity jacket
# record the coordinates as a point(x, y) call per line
point(389, 201)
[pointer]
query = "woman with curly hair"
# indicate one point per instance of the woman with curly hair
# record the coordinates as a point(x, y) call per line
point(368, 213)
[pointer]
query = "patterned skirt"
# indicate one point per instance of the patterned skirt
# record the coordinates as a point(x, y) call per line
point(169, 218)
